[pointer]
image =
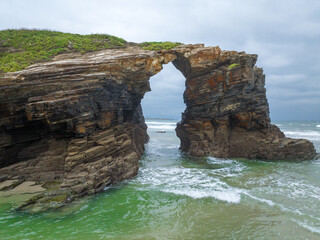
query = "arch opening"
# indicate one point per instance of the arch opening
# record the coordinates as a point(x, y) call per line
point(162, 108)
point(165, 100)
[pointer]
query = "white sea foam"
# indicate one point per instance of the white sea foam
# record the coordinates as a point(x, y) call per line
point(269, 202)
point(303, 133)
point(281, 206)
point(209, 183)
point(173, 146)
point(228, 167)
point(223, 195)
point(169, 123)
point(220, 160)
point(194, 183)
point(161, 125)
point(164, 127)
point(297, 189)
point(155, 147)
point(306, 226)
point(311, 135)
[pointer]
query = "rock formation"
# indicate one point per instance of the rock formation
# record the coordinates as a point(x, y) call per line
point(76, 123)
point(227, 112)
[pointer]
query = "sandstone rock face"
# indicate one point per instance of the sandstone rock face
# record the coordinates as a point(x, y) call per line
point(76, 122)
point(227, 112)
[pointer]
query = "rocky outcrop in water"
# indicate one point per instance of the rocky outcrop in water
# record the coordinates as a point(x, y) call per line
point(227, 113)
point(76, 124)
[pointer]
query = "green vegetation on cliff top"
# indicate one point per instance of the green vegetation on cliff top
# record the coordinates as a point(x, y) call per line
point(156, 46)
point(21, 48)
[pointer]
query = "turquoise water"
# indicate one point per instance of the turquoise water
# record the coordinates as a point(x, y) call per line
point(179, 197)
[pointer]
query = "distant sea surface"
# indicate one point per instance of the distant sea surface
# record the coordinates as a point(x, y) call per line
point(175, 196)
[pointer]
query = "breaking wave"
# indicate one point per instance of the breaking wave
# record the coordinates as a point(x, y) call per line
point(165, 127)
point(161, 125)
point(311, 135)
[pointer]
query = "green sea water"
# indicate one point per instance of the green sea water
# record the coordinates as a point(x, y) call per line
point(178, 197)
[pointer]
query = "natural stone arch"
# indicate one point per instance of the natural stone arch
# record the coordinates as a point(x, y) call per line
point(227, 112)
point(90, 107)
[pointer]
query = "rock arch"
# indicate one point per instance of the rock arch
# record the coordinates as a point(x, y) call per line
point(93, 127)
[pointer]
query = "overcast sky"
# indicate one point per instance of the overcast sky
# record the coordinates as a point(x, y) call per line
point(285, 35)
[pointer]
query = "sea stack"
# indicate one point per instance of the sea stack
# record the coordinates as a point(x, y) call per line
point(227, 113)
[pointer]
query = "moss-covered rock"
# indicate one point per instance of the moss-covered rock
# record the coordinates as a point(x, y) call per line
point(233, 65)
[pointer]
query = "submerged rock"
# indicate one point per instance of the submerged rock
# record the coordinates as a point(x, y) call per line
point(19, 192)
point(77, 120)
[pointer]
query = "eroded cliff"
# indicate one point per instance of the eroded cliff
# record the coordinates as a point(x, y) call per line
point(76, 122)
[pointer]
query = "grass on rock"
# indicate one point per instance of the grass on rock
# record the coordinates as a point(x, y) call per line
point(21, 48)
point(157, 46)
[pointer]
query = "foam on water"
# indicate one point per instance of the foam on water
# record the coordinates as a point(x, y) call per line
point(214, 160)
point(299, 189)
point(305, 220)
point(171, 187)
point(194, 183)
point(307, 226)
point(161, 123)
point(155, 147)
point(211, 183)
point(269, 202)
point(166, 127)
point(311, 135)
point(285, 185)
point(227, 167)
point(227, 196)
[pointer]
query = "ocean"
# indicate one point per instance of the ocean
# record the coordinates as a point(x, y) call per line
point(175, 196)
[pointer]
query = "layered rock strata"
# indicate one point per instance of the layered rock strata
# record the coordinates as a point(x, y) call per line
point(227, 113)
point(76, 123)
